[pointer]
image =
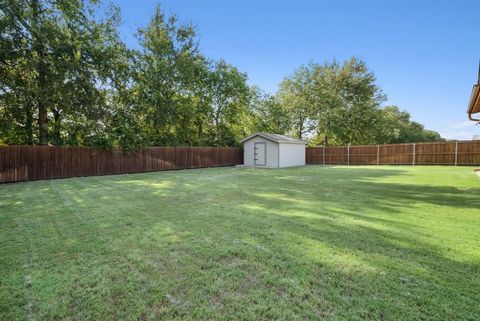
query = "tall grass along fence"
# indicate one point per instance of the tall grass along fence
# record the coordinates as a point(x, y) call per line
point(23, 163)
point(440, 153)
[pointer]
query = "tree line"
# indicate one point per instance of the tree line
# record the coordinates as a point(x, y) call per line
point(67, 78)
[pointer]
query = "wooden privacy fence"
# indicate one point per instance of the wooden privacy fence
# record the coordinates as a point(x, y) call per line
point(440, 153)
point(23, 163)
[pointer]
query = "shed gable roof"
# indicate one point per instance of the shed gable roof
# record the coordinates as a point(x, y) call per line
point(275, 138)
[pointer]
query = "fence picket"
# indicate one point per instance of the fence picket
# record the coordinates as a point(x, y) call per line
point(19, 163)
point(436, 153)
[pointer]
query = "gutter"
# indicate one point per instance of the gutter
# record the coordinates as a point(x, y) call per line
point(473, 99)
point(473, 119)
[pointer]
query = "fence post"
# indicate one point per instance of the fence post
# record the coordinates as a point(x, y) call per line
point(323, 149)
point(456, 152)
point(413, 163)
point(175, 153)
point(348, 155)
point(378, 155)
point(190, 152)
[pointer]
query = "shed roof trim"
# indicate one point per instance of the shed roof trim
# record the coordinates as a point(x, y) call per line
point(276, 138)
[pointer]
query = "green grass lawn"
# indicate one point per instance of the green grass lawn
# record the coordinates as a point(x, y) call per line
point(333, 243)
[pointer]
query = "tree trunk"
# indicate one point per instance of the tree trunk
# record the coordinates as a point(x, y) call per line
point(42, 124)
point(218, 137)
point(29, 124)
point(300, 128)
point(57, 138)
point(201, 140)
point(39, 49)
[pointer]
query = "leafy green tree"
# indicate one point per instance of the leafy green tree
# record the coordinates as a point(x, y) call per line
point(182, 97)
point(66, 78)
point(341, 104)
point(360, 100)
point(63, 56)
point(296, 96)
point(267, 113)
point(431, 136)
point(395, 126)
point(333, 101)
point(228, 92)
point(167, 74)
point(17, 78)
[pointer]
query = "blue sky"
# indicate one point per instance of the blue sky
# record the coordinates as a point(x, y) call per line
point(424, 53)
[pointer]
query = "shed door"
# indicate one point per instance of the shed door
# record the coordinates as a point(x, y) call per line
point(260, 154)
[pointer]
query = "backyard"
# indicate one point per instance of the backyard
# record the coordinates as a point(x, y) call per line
point(306, 243)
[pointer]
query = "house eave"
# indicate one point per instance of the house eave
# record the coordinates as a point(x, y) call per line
point(474, 103)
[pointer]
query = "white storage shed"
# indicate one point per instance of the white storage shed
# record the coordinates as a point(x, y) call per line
point(273, 150)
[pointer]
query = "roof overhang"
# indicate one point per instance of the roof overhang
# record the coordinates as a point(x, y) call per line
point(474, 103)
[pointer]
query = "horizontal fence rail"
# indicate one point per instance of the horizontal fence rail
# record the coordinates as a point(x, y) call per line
point(24, 163)
point(455, 153)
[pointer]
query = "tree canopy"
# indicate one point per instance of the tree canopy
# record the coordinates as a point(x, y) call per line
point(67, 78)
